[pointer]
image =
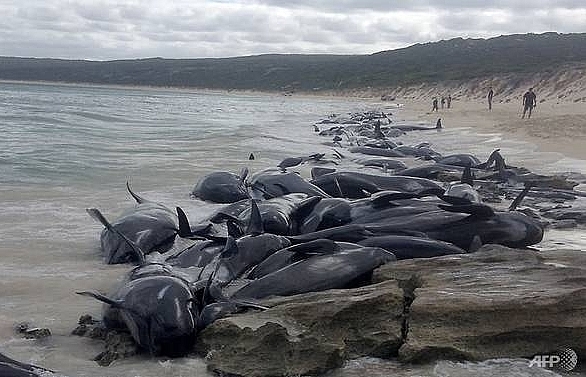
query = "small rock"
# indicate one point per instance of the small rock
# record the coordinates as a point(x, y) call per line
point(29, 332)
point(87, 320)
point(37, 333)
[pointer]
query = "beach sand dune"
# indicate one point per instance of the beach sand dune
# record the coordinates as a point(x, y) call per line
point(558, 123)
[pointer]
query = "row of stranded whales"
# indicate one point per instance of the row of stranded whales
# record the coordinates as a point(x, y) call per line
point(278, 233)
point(164, 302)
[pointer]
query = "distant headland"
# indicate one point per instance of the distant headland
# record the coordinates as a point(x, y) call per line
point(463, 65)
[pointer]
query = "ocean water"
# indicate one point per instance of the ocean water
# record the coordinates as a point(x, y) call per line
point(64, 148)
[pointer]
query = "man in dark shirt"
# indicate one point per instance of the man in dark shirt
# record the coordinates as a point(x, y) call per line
point(529, 102)
point(489, 97)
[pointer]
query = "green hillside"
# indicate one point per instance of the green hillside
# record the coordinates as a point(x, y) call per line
point(430, 62)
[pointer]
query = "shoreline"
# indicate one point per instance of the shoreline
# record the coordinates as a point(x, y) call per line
point(559, 127)
point(557, 124)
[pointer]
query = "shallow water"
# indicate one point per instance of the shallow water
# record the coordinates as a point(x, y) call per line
point(65, 148)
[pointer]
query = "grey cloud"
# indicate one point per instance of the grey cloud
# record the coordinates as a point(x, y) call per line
point(389, 6)
point(39, 13)
point(97, 11)
point(115, 29)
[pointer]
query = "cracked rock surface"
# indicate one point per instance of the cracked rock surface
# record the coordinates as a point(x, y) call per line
point(307, 334)
point(497, 302)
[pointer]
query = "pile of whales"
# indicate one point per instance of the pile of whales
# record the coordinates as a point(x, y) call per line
point(279, 234)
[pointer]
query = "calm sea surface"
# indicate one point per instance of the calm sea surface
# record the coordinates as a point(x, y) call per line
point(64, 148)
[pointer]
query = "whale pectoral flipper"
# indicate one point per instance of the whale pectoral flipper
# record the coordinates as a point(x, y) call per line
point(454, 200)
point(97, 215)
point(322, 246)
point(139, 199)
point(520, 198)
point(474, 209)
point(243, 174)
point(337, 183)
point(101, 297)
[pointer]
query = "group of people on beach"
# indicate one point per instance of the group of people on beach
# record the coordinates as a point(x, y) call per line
point(529, 101)
point(445, 101)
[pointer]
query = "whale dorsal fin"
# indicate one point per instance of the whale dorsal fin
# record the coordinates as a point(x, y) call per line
point(467, 176)
point(255, 226)
point(184, 226)
point(304, 207)
point(475, 244)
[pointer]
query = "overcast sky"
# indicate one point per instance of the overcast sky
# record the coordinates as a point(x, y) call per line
point(107, 29)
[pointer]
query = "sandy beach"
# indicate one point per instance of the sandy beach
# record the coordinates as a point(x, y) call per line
point(553, 127)
point(558, 123)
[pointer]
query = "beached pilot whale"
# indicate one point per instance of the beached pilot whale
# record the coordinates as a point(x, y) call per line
point(152, 226)
point(281, 215)
point(406, 127)
point(359, 185)
point(374, 151)
point(159, 312)
point(385, 163)
point(221, 187)
point(154, 303)
point(271, 183)
point(409, 247)
point(345, 269)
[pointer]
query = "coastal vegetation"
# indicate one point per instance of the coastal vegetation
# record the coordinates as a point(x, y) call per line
point(453, 59)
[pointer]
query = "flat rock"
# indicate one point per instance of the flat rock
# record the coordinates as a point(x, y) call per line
point(497, 302)
point(307, 334)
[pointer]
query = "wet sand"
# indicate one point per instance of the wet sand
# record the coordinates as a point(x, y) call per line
point(553, 127)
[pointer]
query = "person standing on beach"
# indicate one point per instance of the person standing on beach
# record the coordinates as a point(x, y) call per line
point(449, 101)
point(489, 97)
point(443, 101)
point(529, 102)
point(434, 105)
